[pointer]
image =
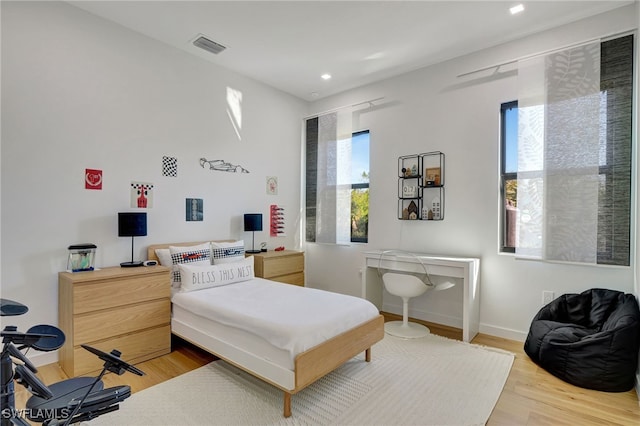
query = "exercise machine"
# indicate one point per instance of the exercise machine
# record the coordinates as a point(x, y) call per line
point(62, 403)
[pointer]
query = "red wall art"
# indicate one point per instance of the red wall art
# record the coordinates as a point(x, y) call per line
point(92, 179)
point(141, 195)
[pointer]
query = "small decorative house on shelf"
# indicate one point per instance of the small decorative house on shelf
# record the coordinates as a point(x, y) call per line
point(421, 186)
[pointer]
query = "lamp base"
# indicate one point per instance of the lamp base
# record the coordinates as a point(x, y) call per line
point(130, 264)
point(252, 251)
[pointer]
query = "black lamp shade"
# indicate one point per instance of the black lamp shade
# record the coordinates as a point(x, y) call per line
point(253, 222)
point(132, 224)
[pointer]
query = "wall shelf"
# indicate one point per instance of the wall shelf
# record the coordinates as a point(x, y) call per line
point(421, 186)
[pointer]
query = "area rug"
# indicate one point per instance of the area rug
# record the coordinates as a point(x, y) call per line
point(426, 381)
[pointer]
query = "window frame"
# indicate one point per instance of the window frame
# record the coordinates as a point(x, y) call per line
point(505, 176)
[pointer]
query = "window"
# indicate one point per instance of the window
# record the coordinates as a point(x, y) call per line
point(565, 162)
point(360, 187)
point(337, 180)
point(509, 174)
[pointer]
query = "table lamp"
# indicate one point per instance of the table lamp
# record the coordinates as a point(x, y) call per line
point(132, 224)
point(253, 223)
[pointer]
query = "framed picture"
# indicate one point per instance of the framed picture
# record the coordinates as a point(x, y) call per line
point(92, 179)
point(432, 176)
point(141, 195)
point(194, 210)
point(272, 185)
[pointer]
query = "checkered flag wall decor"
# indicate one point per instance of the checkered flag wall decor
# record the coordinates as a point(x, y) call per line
point(170, 166)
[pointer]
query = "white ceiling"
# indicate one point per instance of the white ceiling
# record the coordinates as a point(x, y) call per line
point(289, 44)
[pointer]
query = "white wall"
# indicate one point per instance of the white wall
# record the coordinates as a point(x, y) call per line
point(431, 109)
point(81, 92)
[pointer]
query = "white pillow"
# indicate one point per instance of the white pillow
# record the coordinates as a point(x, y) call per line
point(195, 255)
point(198, 277)
point(164, 256)
point(227, 252)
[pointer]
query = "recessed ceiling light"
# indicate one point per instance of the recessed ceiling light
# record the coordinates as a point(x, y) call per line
point(325, 76)
point(516, 9)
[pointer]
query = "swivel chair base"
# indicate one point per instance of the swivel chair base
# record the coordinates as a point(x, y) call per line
point(410, 330)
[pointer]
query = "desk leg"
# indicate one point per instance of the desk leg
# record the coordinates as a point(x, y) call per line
point(372, 286)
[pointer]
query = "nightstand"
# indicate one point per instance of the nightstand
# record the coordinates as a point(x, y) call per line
point(128, 309)
point(285, 266)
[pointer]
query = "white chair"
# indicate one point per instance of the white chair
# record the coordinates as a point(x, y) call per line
point(406, 285)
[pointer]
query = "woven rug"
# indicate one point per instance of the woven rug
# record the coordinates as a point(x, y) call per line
point(426, 381)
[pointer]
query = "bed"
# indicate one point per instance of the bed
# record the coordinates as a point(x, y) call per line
point(293, 363)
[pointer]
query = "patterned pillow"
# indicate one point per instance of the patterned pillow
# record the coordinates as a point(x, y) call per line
point(195, 255)
point(227, 252)
point(198, 277)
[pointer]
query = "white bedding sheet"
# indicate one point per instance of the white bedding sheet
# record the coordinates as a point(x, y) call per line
point(289, 317)
point(233, 336)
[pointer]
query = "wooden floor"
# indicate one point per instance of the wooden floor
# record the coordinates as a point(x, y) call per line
point(531, 396)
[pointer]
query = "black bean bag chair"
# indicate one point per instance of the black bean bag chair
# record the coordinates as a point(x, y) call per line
point(589, 339)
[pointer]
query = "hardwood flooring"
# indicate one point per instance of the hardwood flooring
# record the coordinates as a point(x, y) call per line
point(530, 397)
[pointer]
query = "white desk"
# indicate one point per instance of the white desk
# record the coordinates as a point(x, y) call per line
point(458, 267)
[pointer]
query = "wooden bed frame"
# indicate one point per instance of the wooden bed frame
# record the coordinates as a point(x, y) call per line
point(310, 365)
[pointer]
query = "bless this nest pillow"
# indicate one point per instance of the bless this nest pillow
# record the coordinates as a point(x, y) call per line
point(197, 277)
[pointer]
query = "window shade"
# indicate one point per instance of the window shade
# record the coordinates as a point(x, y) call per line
point(574, 145)
point(328, 174)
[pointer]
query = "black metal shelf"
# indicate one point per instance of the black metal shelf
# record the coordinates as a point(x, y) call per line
point(426, 205)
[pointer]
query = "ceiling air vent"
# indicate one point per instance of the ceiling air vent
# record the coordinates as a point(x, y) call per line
point(208, 45)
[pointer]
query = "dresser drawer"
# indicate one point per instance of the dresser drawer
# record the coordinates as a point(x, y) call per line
point(276, 266)
point(295, 279)
point(104, 324)
point(135, 348)
point(97, 295)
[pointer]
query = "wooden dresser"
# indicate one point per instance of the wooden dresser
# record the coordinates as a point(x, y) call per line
point(285, 266)
point(128, 309)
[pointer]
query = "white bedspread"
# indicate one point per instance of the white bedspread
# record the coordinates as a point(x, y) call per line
point(289, 317)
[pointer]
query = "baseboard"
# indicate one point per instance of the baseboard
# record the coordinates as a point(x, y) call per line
point(505, 333)
point(424, 315)
point(43, 358)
